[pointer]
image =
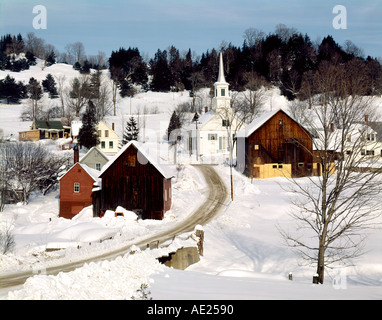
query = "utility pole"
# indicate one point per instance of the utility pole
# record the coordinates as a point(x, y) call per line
point(196, 118)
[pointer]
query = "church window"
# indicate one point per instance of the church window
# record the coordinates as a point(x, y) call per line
point(212, 136)
point(225, 123)
point(223, 92)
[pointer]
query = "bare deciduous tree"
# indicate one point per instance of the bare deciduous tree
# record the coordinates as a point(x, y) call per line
point(333, 209)
point(78, 94)
point(27, 167)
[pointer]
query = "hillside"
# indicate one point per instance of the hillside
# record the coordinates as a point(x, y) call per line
point(244, 257)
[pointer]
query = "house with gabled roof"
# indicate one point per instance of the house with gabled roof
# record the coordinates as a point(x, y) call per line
point(135, 180)
point(108, 138)
point(95, 159)
point(42, 129)
point(76, 187)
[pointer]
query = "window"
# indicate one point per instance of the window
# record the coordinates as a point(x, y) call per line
point(106, 133)
point(280, 166)
point(131, 160)
point(212, 136)
point(103, 144)
point(225, 123)
point(256, 147)
point(370, 152)
point(110, 144)
point(274, 166)
point(76, 187)
point(98, 166)
point(300, 165)
point(99, 133)
point(280, 122)
point(223, 92)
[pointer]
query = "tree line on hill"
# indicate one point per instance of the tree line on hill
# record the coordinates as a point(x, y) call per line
point(285, 58)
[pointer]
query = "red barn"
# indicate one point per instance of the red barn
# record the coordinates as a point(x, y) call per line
point(136, 181)
point(76, 189)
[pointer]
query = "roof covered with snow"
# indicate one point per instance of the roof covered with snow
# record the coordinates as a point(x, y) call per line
point(163, 170)
point(260, 121)
point(93, 173)
point(257, 123)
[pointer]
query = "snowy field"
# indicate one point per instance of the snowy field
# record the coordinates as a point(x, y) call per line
point(244, 256)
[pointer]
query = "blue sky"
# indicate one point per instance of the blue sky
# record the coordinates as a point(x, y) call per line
point(197, 24)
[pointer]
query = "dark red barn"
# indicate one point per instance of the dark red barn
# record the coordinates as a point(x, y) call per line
point(136, 181)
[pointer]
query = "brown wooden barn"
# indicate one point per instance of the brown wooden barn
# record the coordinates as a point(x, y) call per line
point(275, 145)
point(136, 181)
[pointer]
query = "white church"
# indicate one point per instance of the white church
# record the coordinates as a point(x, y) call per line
point(212, 135)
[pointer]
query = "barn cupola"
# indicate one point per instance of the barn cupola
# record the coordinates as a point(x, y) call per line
point(222, 99)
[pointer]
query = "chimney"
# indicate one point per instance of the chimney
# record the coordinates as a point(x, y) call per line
point(366, 118)
point(76, 151)
point(112, 126)
point(332, 127)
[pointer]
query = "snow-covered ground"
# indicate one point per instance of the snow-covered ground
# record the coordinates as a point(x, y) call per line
point(244, 256)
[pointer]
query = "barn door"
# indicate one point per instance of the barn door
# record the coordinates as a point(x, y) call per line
point(256, 172)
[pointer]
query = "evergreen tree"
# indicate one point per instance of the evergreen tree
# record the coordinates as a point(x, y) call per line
point(11, 90)
point(127, 68)
point(131, 131)
point(173, 125)
point(162, 78)
point(88, 136)
point(50, 59)
point(49, 85)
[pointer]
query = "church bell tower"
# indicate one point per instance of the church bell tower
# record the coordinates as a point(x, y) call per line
point(222, 99)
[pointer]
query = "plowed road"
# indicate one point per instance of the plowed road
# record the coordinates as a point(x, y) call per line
point(206, 212)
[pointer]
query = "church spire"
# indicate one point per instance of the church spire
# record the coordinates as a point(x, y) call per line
point(221, 78)
point(222, 99)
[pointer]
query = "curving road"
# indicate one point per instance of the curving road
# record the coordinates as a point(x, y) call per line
point(205, 213)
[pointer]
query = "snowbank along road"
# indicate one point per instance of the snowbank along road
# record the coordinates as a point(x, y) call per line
point(217, 195)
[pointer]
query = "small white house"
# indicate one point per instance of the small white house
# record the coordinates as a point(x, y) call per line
point(108, 138)
point(214, 131)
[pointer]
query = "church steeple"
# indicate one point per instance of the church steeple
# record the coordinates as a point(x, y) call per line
point(221, 78)
point(222, 98)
